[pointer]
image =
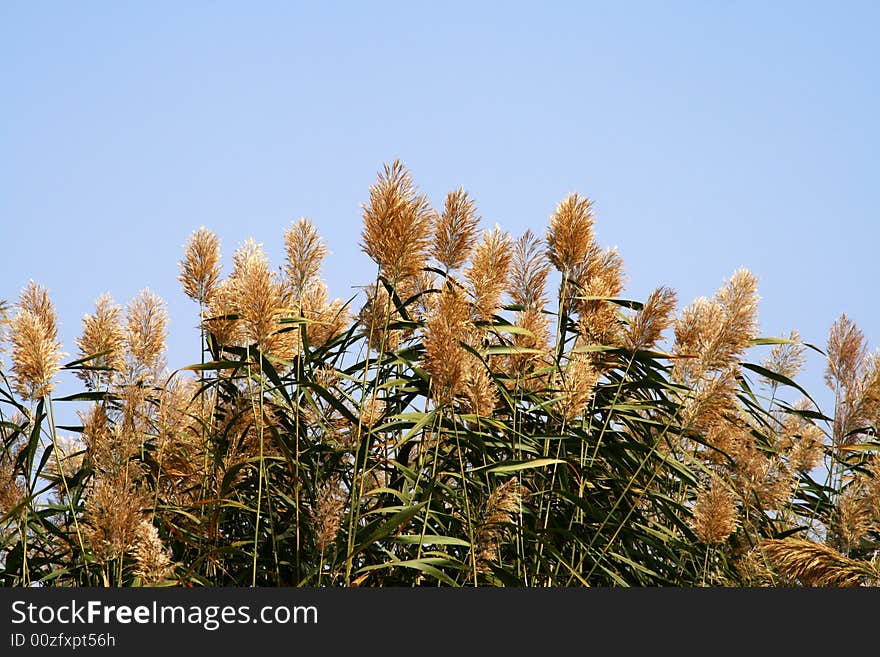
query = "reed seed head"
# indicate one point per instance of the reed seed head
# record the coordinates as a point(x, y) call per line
point(487, 274)
point(647, 327)
point(455, 232)
point(816, 564)
point(146, 329)
point(104, 338)
point(445, 359)
point(715, 516)
point(398, 224)
point(528, 273)
point(570, 235)
point(200, 267)
point(152, 563)
point(257, 295)
point(305, 253)
point(36, 352)
point(846, 352)
point(327, 514)
point(503, 506)
point(786, 359)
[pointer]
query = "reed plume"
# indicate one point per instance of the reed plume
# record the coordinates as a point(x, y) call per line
point(487, 274)
point(327, 513)
point(397, 224)
point(13, 493)
point(570, 235)
point(445, 359)
point(305, 253)
point(103, 338)
point(256, 296)
point(146, 329)
point(711, 335)
point(113, 513)
point(527, 288)
point(646, 329)
point(503, 506)
point(846, 352)
point(222, 320)
point(528, 272)
point(601, 275)
point(200, 267)
point(853, 516)
point(786, 359)
point(36, 351)
point(152, 563)
point(67, 457)
point(715, 516)
point(576, 385)
point(536, 343)
point(455, 231)
point(327, 319)
point(816, 564)
point(481, 398)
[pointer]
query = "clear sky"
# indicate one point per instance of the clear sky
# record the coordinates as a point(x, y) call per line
point(711, 135)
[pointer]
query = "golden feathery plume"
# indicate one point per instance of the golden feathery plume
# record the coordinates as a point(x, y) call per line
point(176, 412)
point(113, 512)
point(713, 334)
point(327, 319)
point(200, 267)
point(152, 563)
point(521, 364)
point(570, 235)
point(96, 430)
point(738, 299)
point(222, 321)
point(646, 328)
point(4, 325)
point(481, 398)
point(36, 351)
point(13, 492)
point(816, 564)
point(576, 385)
point(502, 508)
point(397, 224)
point(528, 272)
point(708, 401)
point(846, 352)
point(146, 329)
point(445, 359)
point(257, 295)
point(35, 299)
point(715, 516)
point(853, 515)
point(786, 359)
point(867, 408)
point(455, 232)
point(871, 486)
point(305, 253)
point(798, 439)
point(102, 333)
point(327, 513)
point(601, 275)
point(487, 274)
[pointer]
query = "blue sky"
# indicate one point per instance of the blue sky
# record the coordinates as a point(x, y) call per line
point(711, 135)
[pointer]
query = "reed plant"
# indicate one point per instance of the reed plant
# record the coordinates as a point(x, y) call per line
point(456, 423)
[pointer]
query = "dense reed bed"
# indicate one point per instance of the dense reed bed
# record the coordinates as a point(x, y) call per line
point(458, 423)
